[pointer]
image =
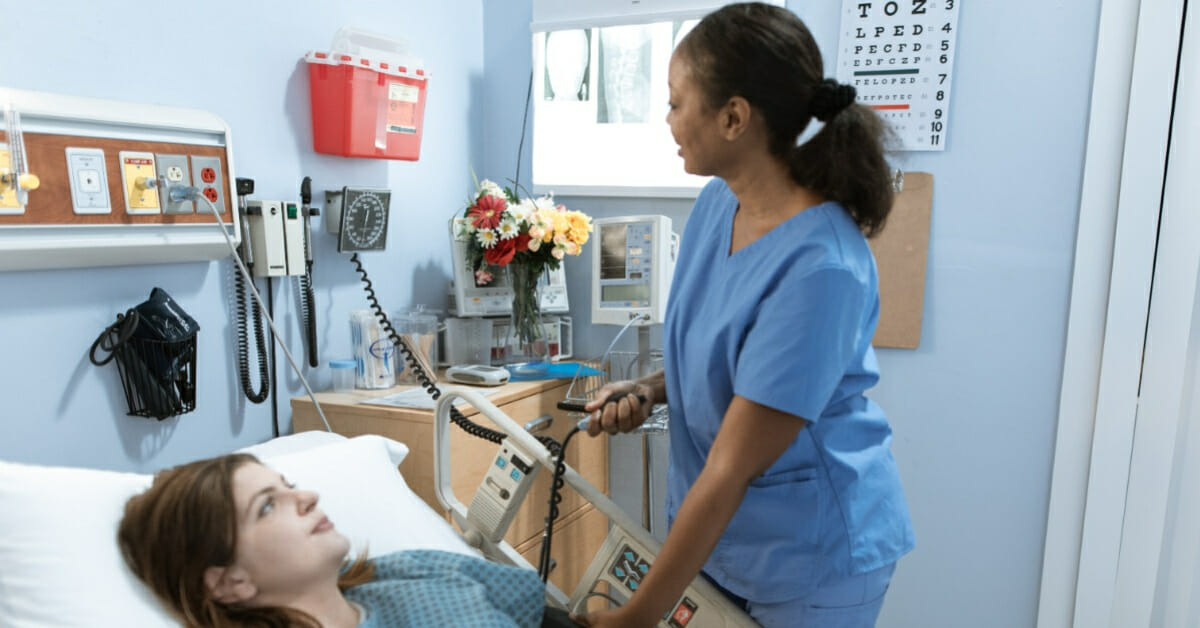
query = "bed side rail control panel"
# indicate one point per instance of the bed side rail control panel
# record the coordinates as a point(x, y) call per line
point(502, 490)
point(617, 571)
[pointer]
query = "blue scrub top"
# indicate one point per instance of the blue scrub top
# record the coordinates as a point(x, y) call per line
point(787, 323)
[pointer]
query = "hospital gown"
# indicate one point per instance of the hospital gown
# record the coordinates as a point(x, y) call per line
point(432, 588)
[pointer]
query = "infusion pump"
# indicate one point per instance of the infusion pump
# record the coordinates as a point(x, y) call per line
point(632, 267)
point(467, 298)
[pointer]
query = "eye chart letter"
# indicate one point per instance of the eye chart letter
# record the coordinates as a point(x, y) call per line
point(899, 55)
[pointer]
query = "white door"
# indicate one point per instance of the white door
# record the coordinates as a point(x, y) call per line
point(1122, 548)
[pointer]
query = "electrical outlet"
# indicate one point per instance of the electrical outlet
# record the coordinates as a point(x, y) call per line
point(175, 169)
point(206, 175)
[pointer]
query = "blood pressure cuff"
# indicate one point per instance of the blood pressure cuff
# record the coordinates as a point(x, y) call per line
point(161, 318)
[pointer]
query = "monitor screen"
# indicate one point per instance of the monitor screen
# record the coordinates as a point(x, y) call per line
point(625, 264)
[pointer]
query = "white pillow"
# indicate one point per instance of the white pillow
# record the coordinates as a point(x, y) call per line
point(59, 562)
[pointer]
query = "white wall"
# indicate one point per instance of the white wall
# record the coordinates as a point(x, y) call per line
point(974, 408)
point(243, 62)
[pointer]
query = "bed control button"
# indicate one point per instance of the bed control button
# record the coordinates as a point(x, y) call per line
point(683, 613)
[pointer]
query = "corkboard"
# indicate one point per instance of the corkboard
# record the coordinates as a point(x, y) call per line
point(900, 254)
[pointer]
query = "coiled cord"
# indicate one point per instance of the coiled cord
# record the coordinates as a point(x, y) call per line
point(458, 418)
point(556, 484)
point(308, 315)
point(243, 349)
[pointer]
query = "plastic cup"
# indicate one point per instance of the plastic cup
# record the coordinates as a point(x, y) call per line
point(342, 375)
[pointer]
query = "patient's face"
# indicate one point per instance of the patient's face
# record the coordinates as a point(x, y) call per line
point(284, 541)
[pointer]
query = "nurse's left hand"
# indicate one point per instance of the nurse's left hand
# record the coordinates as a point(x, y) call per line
point(614, 618)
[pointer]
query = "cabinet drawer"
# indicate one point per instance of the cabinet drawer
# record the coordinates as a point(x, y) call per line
point(577, 538)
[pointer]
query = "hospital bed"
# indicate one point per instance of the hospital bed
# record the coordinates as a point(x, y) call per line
point(60, 565)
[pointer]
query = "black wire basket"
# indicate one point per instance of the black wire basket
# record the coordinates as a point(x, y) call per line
point(158, 376)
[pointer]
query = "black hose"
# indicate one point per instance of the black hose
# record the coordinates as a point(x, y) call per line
point(260, 342)
point(556, 484)
point(308, 314)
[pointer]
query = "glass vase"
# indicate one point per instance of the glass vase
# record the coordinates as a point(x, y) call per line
point(528, 351)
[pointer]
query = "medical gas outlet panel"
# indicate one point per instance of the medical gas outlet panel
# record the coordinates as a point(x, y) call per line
point(86, 182)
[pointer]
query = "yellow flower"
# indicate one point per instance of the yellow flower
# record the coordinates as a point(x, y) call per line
point(581, 226)
point(562, 223)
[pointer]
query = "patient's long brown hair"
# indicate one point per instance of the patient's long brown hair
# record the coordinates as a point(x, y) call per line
point(185, 523)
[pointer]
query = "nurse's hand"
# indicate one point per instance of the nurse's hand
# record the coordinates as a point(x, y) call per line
point(625, 412)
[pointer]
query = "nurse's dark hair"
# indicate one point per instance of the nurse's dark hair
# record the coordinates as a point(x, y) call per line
point(767, 55)
point(186, 522)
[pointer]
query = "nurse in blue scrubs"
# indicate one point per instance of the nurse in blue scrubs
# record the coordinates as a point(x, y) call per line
point(782, 489)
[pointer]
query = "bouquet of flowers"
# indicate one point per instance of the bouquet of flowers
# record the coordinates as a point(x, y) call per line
point(523, 237)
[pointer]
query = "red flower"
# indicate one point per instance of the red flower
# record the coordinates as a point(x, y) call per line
point(502, 253)
point(522, 241)
point(485, 213)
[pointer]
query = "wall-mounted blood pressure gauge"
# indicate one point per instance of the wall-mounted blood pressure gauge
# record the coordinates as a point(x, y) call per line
point(361, 217)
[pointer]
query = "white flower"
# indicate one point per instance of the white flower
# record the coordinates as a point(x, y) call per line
point(463, 229)
point(486, 238)
point(558, 252)
point(507, 229)
point(535, 244)
point(545, 202)
point(521, 210)
point(491, 188)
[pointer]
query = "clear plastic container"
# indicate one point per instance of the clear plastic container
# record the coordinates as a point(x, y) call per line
point(341, 375)
point(363, 43)
point(421, 328)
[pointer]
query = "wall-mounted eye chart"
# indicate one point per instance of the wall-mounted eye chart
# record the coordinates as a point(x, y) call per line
point(899, 55)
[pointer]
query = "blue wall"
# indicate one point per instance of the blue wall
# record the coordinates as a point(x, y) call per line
point(243, 62)
point(974, 409)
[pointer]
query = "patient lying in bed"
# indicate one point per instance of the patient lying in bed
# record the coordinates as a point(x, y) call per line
point(228, 541)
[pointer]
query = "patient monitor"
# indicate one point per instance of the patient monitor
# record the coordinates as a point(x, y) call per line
point(631, 269)
point(616, 570)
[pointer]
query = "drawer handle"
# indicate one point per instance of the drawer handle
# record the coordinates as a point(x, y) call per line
point(541, 423)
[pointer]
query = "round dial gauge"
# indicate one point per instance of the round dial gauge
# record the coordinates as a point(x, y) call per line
point(364, 220)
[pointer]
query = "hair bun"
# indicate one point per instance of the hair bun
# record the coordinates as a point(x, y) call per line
point(829, 98)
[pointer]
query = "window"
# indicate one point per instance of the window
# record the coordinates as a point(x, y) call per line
point(600, 96)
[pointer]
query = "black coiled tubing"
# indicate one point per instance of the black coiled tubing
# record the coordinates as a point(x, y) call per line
point(243, 350)
point(556, 484)
point(422, 377)
point(308, 312)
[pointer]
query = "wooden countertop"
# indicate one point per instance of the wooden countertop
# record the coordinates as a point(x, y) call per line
point(353, 401)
